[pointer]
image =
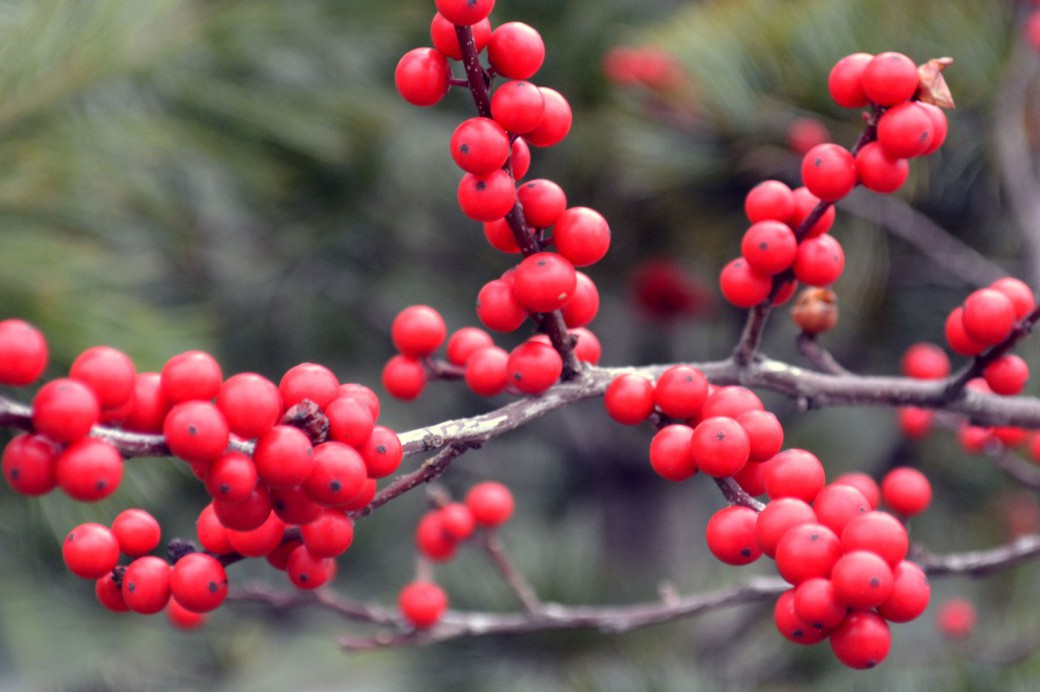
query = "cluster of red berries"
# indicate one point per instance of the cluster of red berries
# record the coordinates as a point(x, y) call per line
point(530, 368)
point(779, 241)
point(986, 318)
point(438, 535)
point(317, 454)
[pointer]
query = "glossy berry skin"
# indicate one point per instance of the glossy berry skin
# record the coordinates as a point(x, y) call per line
point(516, 50)
point(956, 618)
point(404, 377)
point(247, 514)
point(457, 520)
point(1018, 292)
point(108, 372)
point(790, 625)
point(109, 594)
point(940, 126)
point(196, 431)
point(820, 261)
point(555, 123)
point(284, 457)
point(906, 490)
point(350, 421)
point(890, 78)
point(836, 505)
point(681, 391)
point(581, 235)
point(211, 533)
point(28, 464)
point(466, 341)
point(146, 585)
point(910, 594)
point(65, 410)
point(422, 603)
point(862, 580)
point(731, 535)
point(795, 473)
point(769, 247)
point(629, 399)
point(307, 571)
point(905, 131)
point(765, 434)
point(231, 477)
point(23, 353)
point(925, 361)
point(500, 236)
point(251, 404)
point(418, 331)
point(879, 533)
point(491, 503)
point(730, 401)
point(829, 171)
point(543, 201)
point(845, 81)
point(587, 348)
point(770, 200)
point(720, 446)
point(804, 203)
point(137, 531)
point(520, 158)
point(671, 452)
point(433, 540)
point(742, 286)
point(779, 516)
point(422, 76)
point(338, 474)
point(518, 106)
point(89, 470)
point(498, 308)
point(806, 551)
point(988, 316)
point(878, 171)
point(446, 41)
point(958, 338)
point(544, 282)
point(479, 146)
point(190, 376)
point(329, 535)
point(182, 618)
point(292, 506)
point(198, 582)
point(149, 406)
point(862, 640)
point(90, 551)
point(309, 381)
point(487, 371)
point(863, 483)
point(816, 602)
point(465, 12)
point(584, 303)
point(533, 367)
point(1007, 375)
point(486, 197)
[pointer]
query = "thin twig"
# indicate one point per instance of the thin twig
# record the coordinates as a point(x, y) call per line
point(491, 544)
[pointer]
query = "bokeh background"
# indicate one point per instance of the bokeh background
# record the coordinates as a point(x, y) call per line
point(240, 176)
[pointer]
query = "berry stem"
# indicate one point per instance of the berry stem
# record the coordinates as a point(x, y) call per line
point(476, 77)
point(736, 495)
point(490, 542)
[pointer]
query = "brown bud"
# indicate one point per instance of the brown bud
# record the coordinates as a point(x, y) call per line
point(815, 310)
point(933, 87)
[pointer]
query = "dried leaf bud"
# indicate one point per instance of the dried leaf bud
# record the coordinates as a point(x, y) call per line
point(933, 87)
point(815, 310)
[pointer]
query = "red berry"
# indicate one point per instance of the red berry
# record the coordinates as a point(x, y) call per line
point(338, 474)
point(543, 201)
point(765, 434)
point(231, 477)
point(107, 371)
point(925, 361)
point(137, 531)
point(432, 539)
point(90, 551)
point(890, 78)
point(182, 618)
point(422, 76)
point(939, 126)
point(906, 490)
point(671, 452)
point(829, 171)
point(587, 348)
point(404, 377)
point(910, 594)
point(555, 122)
point(29, 464)
point(805, 203)
point(196, 431)
point(795, 473)
point(518, 106)
point(479, 146)
point(866, 485)
point(817, 603)
point(720, 446)
point(190, 375)
point(989, 316)
point(198, 582)
point(769, 247)
point(486, 197)
point(582, 236)
point(880, 171)
point(212, 534)
point(516, 50)
point(146, 585)
point(792, 627)
point(544, 282)
point(422, 603)
point(499, 235)
point(862, 580)
point(533, 367)
point(956, 618)
point(845, 82)
point(487, 371)
point(261, 540)
point(329, 535)
point(681, 391)
point(466, 341)
point(959, 339)
point(308, 571)
point(109, 594)
point(629, 399)
point(742, 286)
point(382, 453)
point(251, 404)
point(284, 456)
point(731, 401)
point(1007, 375)
point(490, 502)
point(418, 331)
point(308, 381)
point(294, 506)
point(905, 131)
point(770, 200)
point(779, 516)
point(1020, 294)
point(65, 410)
point(731, 535)
point(862, 640)
point(89, 470)
point(23, 353)
point(837, 504)
point(820, 261)
point(457, 520)
point(149, 405)
point(520, 158)
point(805, 133)
point(465, 12)
point(806, 551)
point(244, 515)
point(446, 41)
point(877, 532)
point(498, 308)
point(584, 303)
point(350, 421)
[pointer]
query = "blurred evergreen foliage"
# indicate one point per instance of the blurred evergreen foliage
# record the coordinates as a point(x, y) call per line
point(240, 176)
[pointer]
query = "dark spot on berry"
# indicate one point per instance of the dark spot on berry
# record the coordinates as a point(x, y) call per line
point(131, 587)
point(335, 486)
point(517, 376)
point(689, 378)
point(818, 162)
point(101, 484)
point(279, 505)
point(15, 473)
point(763, 245)
point(871, 664)
point(814, 537)
point(541, 263)
point(464, 148)
point(720, 436)
point(304, 578)
point(224, 488)
point(481, 185)
point(71, 537)
point(192, 430)
point(746, 552)
point(875, 582)
point(797, 634)
point(380, 449)
point(213, 587)
point(531, 186)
